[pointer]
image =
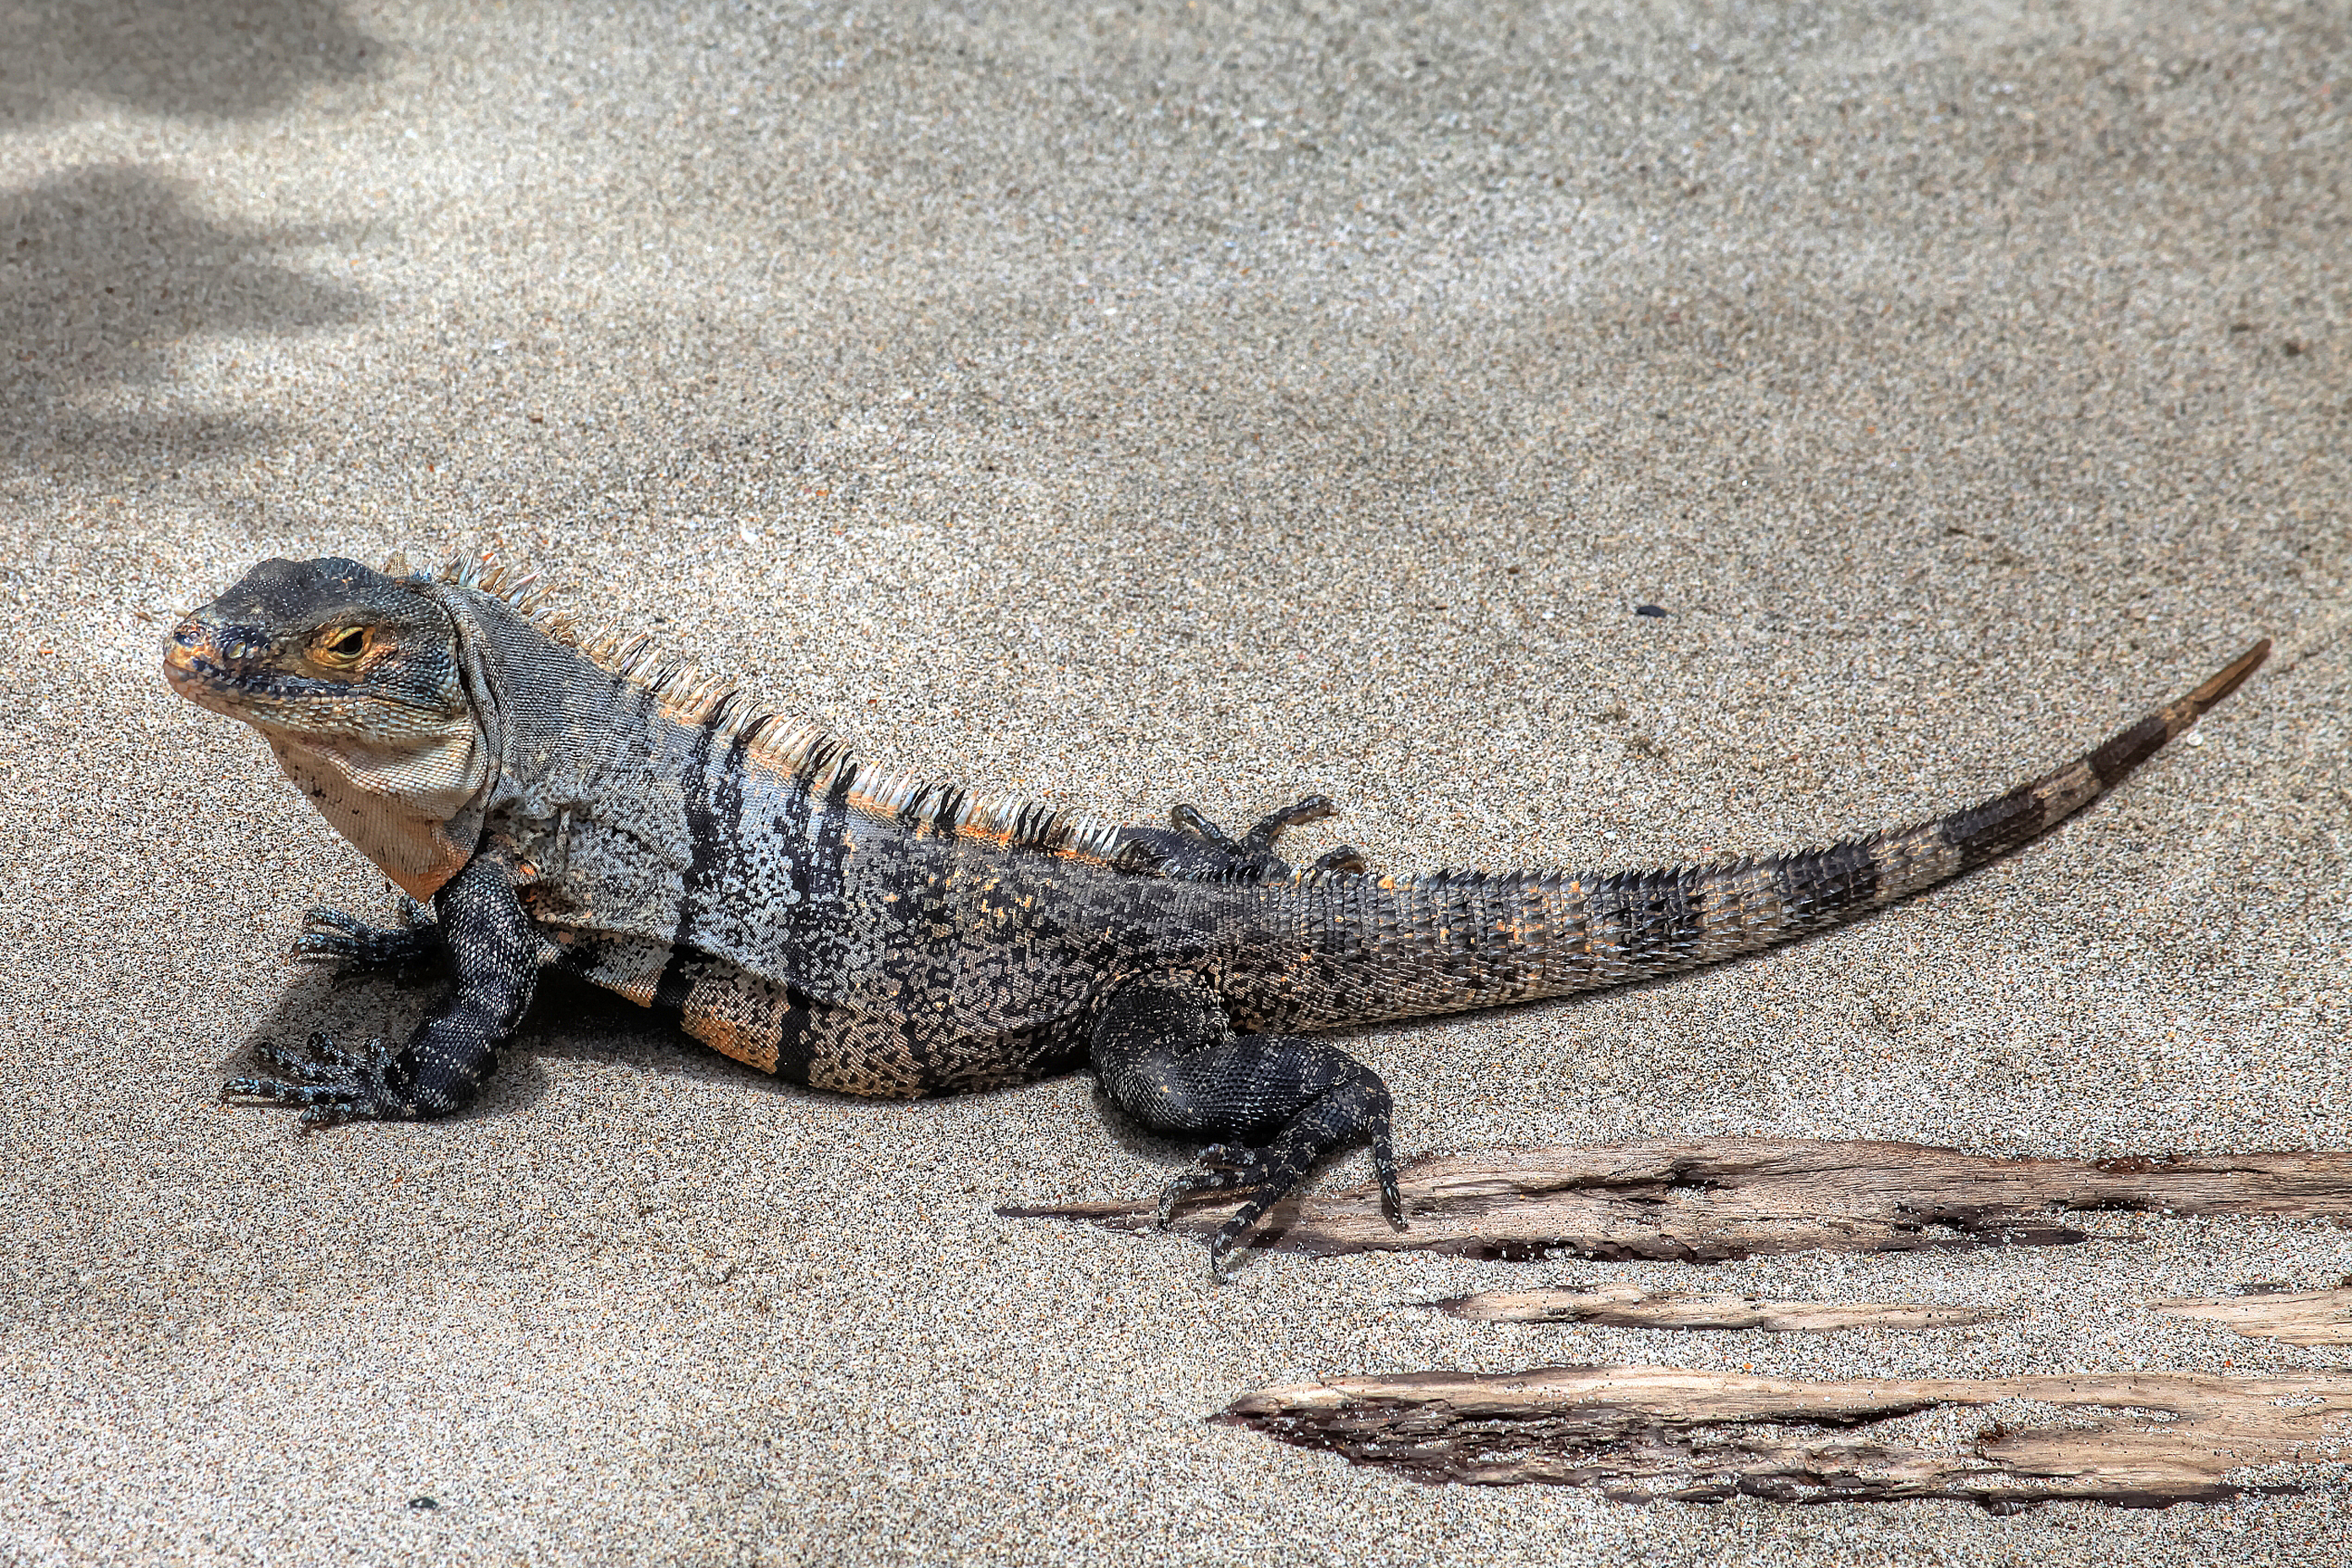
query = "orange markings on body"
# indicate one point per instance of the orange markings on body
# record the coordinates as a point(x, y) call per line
point(730, 1038)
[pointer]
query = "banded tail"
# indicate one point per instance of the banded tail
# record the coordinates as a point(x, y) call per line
point(1382, 947)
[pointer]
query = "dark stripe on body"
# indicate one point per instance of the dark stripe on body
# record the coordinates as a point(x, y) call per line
point(713, 803)
point(676, 981)
point(812, 829)
point(816, 874)
point(796, 1047)
point(674, 989)
point(714, 835)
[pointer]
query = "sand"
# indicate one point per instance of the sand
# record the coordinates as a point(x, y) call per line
point(1126, 406)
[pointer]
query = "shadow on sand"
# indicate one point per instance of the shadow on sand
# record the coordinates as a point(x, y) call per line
point(104, 271)
point(207, 59)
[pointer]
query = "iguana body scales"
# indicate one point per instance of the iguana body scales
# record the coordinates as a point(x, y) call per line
point(595, 805)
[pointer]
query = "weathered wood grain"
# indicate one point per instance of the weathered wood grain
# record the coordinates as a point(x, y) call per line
point(1642, 1433)
point(2297, 1317)
point(1707, 1200)
point(1624, 1304)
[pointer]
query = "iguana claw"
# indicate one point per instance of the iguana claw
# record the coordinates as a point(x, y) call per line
point(1346, 861)
point(329, 1083)
point(1221, 1166)
point(336, 937)
point(1259, 840)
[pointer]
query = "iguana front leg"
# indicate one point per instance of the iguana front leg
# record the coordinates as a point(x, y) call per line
point(1167, 1055)
point(1199, 850)
point(495, 953)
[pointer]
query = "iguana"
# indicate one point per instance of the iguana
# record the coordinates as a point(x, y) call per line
point(595, 805)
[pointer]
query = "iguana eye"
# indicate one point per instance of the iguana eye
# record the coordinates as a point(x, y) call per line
point(342, 645)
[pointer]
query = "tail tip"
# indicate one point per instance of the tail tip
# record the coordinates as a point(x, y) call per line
point(2229, 677)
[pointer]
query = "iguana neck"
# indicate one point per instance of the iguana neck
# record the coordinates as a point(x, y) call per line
point(420, 839)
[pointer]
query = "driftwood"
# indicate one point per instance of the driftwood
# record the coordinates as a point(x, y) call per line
point(1623, 1305)
point(1706, 1200)
point(2298, 1317)
point(1642, 1433)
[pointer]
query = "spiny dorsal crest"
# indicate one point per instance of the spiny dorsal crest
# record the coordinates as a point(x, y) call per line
point(696, 697)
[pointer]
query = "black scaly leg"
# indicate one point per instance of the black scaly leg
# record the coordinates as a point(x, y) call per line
point(1166, 1053)
point(346, 939)
point(495, 953)
point(1199, 850)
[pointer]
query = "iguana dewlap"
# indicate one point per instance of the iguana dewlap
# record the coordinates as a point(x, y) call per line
point(590, 805)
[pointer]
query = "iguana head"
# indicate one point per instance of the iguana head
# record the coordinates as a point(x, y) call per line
point(359, 682)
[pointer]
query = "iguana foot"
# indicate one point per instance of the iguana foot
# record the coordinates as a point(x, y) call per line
point(1218, 1166)
point(344, 939)
point(1345, 861)
point(1275, 1172)
point(329, 1083)
point(1200, 851)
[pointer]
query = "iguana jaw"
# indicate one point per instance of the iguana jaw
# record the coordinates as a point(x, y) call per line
point(355, 681)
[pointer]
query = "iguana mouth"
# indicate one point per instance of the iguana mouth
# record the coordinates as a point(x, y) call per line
point(227, 669)
point(227, 673)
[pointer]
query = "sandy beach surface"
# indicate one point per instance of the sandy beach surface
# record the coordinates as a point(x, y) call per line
point(1126, 404)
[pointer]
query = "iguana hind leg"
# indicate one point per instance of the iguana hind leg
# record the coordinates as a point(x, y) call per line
point(495, 953)
point(1199, 849)
point(1167, 1055)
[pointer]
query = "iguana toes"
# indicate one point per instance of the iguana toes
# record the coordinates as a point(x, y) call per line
point(590, 804)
